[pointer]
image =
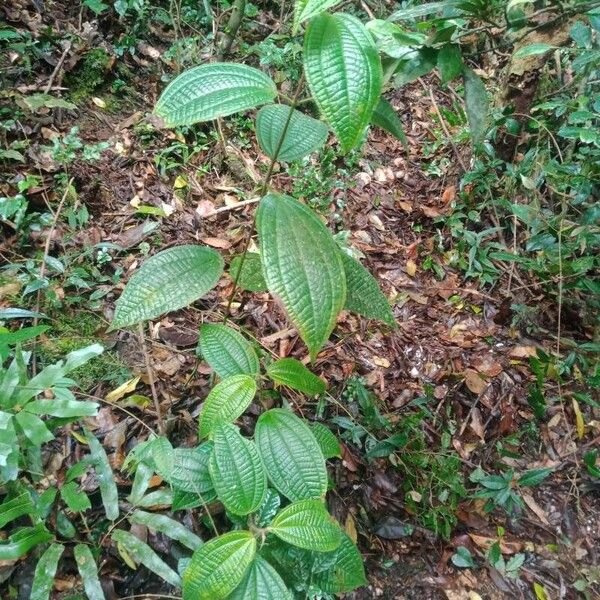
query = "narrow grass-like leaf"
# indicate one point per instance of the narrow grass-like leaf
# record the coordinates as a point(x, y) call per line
point(75, 499)
point(219, 566)
point(64, 409)
point(476, 104)
point(104, 474)
point(364, 296)
point(291, 455)
point(227, 351)
point(347, 571)
point(14, 508)
point(261, 582)
point(166, 282)
point(45, 571)
point(168, 526)
point(251, 278)
point(86, 565)
point(302, 267)
point(237, 471)
point(343, 71)
point(291, 372)
point(226, 402)
point(213, 90)
point(23, 541)
point(385, 116)
point(302, 136)
point(307, 524)
point(143, 554)
point(327, 441)
point(141, 482)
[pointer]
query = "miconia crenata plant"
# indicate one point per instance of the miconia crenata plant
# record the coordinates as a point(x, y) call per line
point(313, 278)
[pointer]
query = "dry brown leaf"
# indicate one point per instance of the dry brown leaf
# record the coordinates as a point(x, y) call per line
point(535, 507)
point(523, 352)
point(411, 267)
point(474, 381)
point(217, 242)
point(350, 528)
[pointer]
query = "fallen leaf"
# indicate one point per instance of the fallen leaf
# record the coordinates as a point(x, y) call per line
point(99, 102)
point(523, 352)
point(381, 362)
point(449, 194)
point(350, 528)
point(579, 422)
point(411, 268)
point(217, 243)
point(535, 507)
point(122, 390)
point(474, 381)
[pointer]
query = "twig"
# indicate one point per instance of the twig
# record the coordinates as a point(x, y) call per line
point(161, 424)
point(241, 204)
point(59, 64)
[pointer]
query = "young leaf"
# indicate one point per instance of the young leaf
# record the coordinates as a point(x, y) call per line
point(307, 524)
point(237, 471)
point(33, 427)
point(251, 278)
point(15, 507)
point(226, 402)
point(86, 565)
point(219, 566)
point(306, 9)
point(385, 116)
point(534, 476)
point(449, 62)
point(23, 541)
point(104, 474)
point(141, 482)
point(262, 582)
point(142, 553)
point(363, 294)
point(327, 441)
point(75, 499)
point(302, 267)
point(344, 74)
point(268, 509)
point(476, 104)
point(166, 282)
point(227, 351)
point(170, 527)
point(301, 136)
point(346, 573)
point(45, 570)
point(291, 372)
point(291, 455)
point(213, 90)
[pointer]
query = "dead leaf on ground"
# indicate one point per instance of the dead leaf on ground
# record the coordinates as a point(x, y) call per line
point(474, 381)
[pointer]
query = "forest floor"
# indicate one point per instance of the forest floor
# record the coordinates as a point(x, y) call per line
point(455, 362)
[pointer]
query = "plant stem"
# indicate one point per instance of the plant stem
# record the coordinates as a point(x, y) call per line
point(161, 424)
point(262, 191)
point(231, 29)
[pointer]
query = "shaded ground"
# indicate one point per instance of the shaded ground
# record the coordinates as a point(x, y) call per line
point(455, 346)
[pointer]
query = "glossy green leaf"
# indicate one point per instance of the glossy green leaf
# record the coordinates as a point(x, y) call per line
point(21, 542)
point(161, 497)
point(307, 524)
point(288, 141)
point(476, 105)
point(306, 9)
point(45, 571)
point(189, 472)
point(75, 499)
point(302, 267)
point(347, 571)
point(449, 62)
point(533, 50)
point(15, 507)
point(344, 74)
point(226, 402)
point(86, 565)
point(364, 295)
point(33, 428)
point(168, 526)
point(292, 457)
point(166, 282)
point(268, 509)
point(227, 351)
point(219, 566)
point(104, 474)
point(237, 471)
point(422, 10)
point(385, 116)
point(292, 373)
point(141, 482)
point(213, 90)
point(64, 409)
point(251, 278)
point(142, 553)
point(327, 441)
point(261, 582)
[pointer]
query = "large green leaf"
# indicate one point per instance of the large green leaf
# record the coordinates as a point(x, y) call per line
point(213, 90)
point(364, 296)
point(219, 566)
point(302, 267)
point(104, 474)
point(327, 441)
point(86, 565)
point(262, 582)
point(45, 570)
point(476, 105)
point(237, 471)
point(33, 428)
point(167, 281)
point(344, 74)
point(226, 402)
point(21, 542)
point(168, 526)
point(291, 455)
point(301, 135)
point(306, 9)
point(251, 278)
point(142, 553)
point(347, 571)
point(227, 351)
point(385, 116)
point(449, 62)
point(291, 372)
point(307, 524)
point(189, 472)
